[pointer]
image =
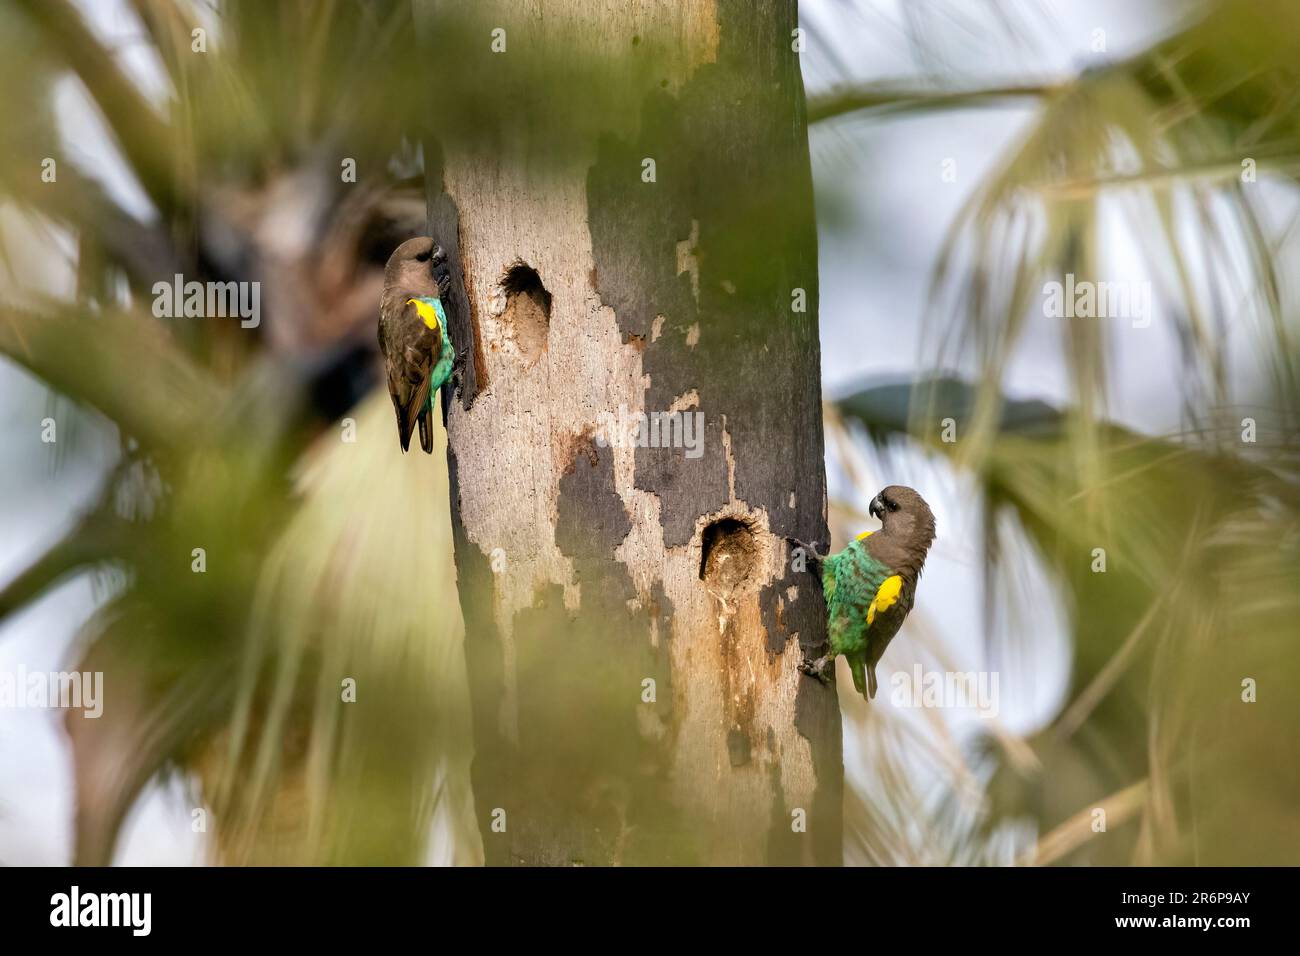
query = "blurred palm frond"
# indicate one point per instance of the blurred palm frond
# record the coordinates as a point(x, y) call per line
point(239, 152)
point(1196, 545)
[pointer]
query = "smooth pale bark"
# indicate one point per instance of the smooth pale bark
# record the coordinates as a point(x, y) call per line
point(633, 627)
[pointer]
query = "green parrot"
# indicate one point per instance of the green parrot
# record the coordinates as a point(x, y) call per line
point(418, 354)
point(871, 584)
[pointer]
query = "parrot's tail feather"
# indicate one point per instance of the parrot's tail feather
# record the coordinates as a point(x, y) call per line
point(426, 431)
point(871, 682)
point(403, 433)
point(856, 669)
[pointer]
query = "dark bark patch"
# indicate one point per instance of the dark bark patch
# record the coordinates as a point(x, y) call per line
point(660, 610)
point(739, 750)
point(585, 779)
point(484, 663)
point(785, 847)
point(819, 724)
point(592, 521)
point(560, 759)
point(773, 614)
point(579, 447)
point(692, 486)
point(746, 212)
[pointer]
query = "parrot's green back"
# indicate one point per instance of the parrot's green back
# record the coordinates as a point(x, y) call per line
point(866, 602)
point(441, 370)
point(870, 586)
point(850, 581)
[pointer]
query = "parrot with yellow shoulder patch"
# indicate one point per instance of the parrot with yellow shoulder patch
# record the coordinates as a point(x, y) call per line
point(870, 586)
point(418, 355)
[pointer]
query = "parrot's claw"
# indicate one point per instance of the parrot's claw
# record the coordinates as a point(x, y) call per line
point(458, 370)
point(822, 668)
point(810, 548)
point(441, 273)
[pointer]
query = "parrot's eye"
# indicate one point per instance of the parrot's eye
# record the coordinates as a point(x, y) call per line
point(891, 505)
point(423, 256)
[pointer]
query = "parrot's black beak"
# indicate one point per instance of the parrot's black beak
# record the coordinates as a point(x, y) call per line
point(876, 509)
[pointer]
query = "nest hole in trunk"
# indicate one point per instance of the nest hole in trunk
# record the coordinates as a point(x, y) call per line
point(728, 553)
point(528, 309)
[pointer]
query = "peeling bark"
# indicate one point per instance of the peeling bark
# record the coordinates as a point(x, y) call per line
point(589, 567)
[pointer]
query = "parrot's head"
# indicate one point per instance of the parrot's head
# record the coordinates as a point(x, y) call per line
point(904, 514)
point(410, 267)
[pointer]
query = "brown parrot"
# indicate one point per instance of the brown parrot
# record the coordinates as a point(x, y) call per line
point(871, 584)
point(418, 355)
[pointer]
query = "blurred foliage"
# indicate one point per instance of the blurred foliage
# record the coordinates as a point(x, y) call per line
point(1202, 549)
point(328, 554)
point(1200, 527)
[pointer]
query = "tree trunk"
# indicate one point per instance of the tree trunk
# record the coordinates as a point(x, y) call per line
point(633, 625)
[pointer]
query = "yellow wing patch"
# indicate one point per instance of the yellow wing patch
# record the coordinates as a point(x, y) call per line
point(425, 311)
point(886, 595)
point(865, 535)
